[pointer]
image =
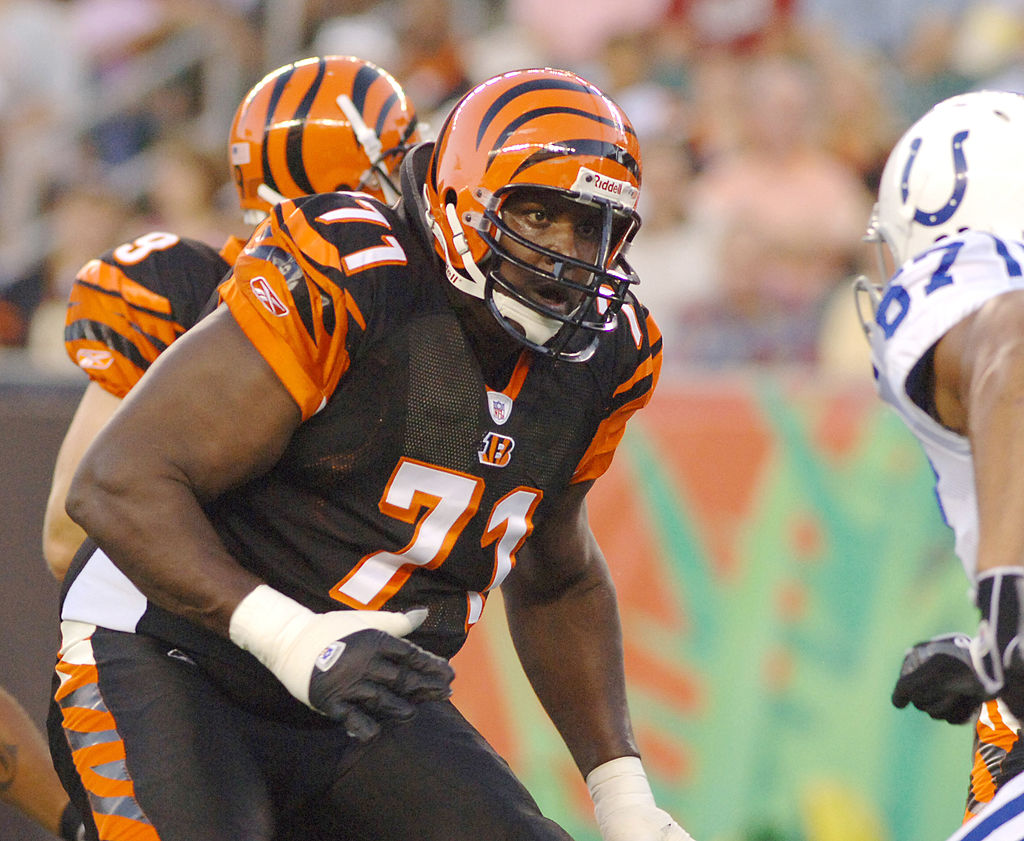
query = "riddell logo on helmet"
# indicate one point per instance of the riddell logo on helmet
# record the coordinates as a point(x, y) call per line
point(266, 295)
point(593, 184)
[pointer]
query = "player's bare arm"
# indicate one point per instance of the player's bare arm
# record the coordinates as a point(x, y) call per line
point(146, 511)
point(61, 535)
point(979, 376)
point(562, 615)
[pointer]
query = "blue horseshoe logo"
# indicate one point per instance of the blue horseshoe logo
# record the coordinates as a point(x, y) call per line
point(937, 217)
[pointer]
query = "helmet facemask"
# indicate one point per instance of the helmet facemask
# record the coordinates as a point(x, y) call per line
point(601, 284)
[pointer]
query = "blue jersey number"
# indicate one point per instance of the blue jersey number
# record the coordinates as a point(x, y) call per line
point(895, 304)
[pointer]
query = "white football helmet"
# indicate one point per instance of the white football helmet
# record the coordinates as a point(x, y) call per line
point(959, 167)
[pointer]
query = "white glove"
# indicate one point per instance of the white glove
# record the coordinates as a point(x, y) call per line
point(347, 664)
point(624, 804)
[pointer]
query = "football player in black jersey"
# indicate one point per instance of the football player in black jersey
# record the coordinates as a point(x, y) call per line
point(302, 509)
point(320, 124)
point(312, 126)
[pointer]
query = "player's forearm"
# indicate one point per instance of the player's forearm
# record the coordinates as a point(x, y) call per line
point(156, 532)
point(995, 403)
point(571, 650)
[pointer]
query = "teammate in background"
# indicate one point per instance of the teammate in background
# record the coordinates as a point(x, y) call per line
point(947, 338)
point(27, 778)
point(321, 124)
point(297, 517)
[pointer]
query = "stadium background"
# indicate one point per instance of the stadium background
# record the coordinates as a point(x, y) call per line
point(776, 546)
point(772, 528)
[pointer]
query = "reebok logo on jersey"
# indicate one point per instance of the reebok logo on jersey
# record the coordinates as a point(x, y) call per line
point(91, 359)
point(500, 406)
point(495, 450)
point(266, 295)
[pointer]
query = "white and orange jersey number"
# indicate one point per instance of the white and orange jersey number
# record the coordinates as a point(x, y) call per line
point(440, 502)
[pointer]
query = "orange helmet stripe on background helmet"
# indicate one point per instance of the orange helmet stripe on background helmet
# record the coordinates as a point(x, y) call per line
point(294, 135)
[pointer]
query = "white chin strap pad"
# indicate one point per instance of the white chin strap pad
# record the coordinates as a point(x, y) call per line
point(537, 328)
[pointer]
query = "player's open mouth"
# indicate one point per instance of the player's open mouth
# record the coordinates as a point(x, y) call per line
point(553, 297)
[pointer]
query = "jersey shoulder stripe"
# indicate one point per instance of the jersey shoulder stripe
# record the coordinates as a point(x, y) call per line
point(306, 285)
point(126, 307)
point(637, 367)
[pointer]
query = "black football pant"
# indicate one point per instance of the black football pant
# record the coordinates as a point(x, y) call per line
point(166, 755)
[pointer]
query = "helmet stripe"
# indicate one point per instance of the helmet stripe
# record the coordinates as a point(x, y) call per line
point(365, 77)
point(361, 90)
point(587, 147)
point(293, 144)
point(522, 90)
point(280, 83)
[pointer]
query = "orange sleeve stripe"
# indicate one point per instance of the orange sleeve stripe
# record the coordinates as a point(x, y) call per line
point(599, 454)
point(231, 249)
point(644, 369)
point(353, 310)
point(309, 244)
point(112, 279)
point(275, 350)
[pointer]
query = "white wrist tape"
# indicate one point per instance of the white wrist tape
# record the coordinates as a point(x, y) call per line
point(287, 637)
point(619, 784)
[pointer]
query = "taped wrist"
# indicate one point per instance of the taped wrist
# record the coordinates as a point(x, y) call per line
point(619, 784)
point(270, 626)
point(1000, 594)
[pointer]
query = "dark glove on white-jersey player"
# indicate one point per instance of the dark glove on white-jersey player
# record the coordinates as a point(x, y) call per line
point(996, 650)
point(350, 665)
point(938, 678)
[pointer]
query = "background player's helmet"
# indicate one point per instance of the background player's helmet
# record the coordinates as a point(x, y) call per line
point(958, 167)
point(319, 125)
point(538, 128)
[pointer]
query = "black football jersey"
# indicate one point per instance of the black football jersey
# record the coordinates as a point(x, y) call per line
point(411, 479)
point(128, 305)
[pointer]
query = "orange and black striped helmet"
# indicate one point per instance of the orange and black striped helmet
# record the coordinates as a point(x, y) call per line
point(319, 125)
point(543, 129)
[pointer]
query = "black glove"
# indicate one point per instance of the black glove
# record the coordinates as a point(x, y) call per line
point(938, 678)
point(379, 678)
point(996, 650)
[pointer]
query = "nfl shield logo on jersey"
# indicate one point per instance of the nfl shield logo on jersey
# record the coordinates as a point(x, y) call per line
point(500, 406)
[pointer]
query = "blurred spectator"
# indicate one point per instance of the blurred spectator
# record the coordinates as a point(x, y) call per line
point(860, 121)
point(669, 253)
point(989, 46)
point(784, 219)
point(83, 220)
point(574, 32)
point(431, 65)
point(628, 75)
point(190, 193)
point(736, 26)
point(43, 90)
point(420, 42)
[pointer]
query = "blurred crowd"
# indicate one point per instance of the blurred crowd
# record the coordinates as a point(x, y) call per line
point(764, 126)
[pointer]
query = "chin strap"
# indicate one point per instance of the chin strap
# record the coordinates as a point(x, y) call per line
point(537, 327)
